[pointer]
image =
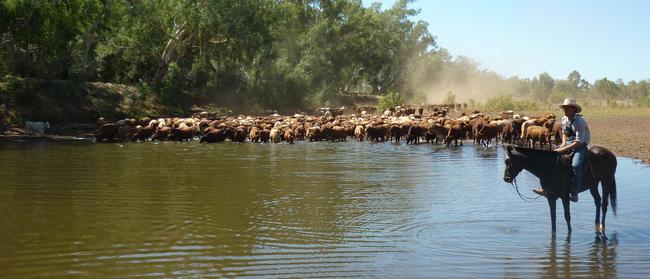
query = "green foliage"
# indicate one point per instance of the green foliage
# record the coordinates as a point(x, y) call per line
point(171, 93)
point(542, 86)
point(144, 88)
point(501, 103)
point(271, 54)
point(557, 97)
point(606, 88)
point(392, 99)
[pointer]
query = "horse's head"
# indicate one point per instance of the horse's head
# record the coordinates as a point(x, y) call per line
point(513, 165)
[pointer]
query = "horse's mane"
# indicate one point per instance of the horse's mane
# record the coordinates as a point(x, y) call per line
point(538, 153)
point(532, 150)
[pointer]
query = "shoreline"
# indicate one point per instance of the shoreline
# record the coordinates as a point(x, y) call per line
point(625, 136)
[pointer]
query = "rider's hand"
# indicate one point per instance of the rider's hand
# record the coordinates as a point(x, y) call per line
point(561, 150)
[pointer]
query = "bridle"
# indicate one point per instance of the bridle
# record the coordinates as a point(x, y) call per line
point(513, 183)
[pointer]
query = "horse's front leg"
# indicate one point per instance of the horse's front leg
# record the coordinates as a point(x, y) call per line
point(551, 205)
point(567, 212)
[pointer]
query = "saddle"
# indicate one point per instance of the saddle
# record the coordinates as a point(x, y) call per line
point(566, 160)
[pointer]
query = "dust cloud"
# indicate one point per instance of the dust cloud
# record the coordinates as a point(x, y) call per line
point(433, 81)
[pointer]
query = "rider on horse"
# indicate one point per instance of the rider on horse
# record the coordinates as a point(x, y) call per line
point(575, 137)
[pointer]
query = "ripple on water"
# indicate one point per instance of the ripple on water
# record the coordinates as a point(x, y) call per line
point(303, 210)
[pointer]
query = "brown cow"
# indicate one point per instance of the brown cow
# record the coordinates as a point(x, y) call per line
point(415, 132)
point(314, 134)
point(536, 134)
point(289, 136)
point(299, 131)
point(143, 133)
point(239, 135)
point(376, 132)
point(555, 135)
point(107, 132)
point(213, 136)
point(487, 133)
point(181, 134)
point(359, 132)
point(254, 134)
point(338, 133)
point(162, 133)
point(456, 132)
point(439, 132)
point(477, 124)
point(507, 133)
point(395, 132)
point(126, 131)
point(265, 135)
point(275, 135)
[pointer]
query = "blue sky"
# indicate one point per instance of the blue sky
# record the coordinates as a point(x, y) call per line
point(525, 38)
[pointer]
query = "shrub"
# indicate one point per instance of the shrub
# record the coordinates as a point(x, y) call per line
point(500, 103)
point(392, 99)
point(171, 92)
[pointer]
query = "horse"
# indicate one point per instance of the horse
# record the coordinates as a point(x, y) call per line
point(555, 175)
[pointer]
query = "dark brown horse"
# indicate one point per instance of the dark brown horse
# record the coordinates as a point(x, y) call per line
point(555, 176)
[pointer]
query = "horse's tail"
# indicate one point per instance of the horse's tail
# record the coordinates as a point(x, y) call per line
point(612, 194)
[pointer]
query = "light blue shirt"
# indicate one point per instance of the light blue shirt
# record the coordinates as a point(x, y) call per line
point(576, 130)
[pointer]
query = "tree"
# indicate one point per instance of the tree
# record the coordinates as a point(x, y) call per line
point(542, 86)
point(606, 88)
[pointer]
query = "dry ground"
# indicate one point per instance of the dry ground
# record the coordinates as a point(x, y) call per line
point(624, 131)
point(627, 136)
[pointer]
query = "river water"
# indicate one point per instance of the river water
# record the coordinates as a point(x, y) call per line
point(79, 209)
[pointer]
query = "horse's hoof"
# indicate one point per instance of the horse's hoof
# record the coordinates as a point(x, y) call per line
point(601, 237)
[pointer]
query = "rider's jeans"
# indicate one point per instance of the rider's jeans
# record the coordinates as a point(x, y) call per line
point(576, 164)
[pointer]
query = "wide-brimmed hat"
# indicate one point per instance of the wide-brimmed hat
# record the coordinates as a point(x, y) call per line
point(572, 103)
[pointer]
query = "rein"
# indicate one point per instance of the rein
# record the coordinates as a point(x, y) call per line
point(521, 196)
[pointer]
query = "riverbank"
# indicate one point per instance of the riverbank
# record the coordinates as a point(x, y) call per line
point(624, 132)
point(64, 101)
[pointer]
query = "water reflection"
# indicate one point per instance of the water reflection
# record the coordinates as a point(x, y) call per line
point(602, 256)
point(599, 259)
point(309, 209)
point(558, 266)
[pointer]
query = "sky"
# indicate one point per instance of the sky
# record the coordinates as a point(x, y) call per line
point(525, 38)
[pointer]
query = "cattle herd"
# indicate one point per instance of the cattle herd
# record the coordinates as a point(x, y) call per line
point(393, 125)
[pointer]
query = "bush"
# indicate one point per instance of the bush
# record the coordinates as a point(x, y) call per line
point(171, 92)
point(501, 103)
point(392, 99)
point(556, 97)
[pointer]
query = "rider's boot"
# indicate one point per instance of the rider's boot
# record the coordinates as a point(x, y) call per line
point(539, 191)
